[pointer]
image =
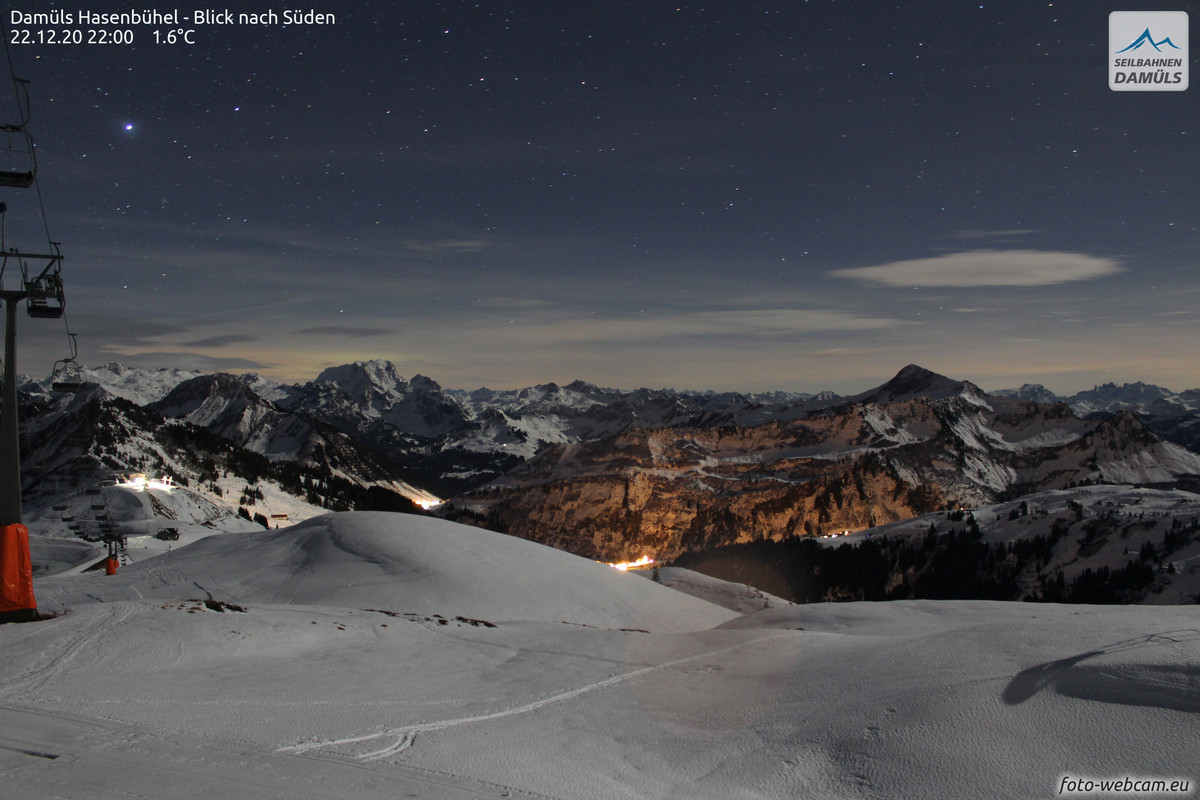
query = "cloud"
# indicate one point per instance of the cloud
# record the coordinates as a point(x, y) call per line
point(444, 246)
point(124, 332)
point(221, 341)
point(776, 321)
point(841, 352)
point(1010, 233)
point(514, 302)
point(347, 331)
point(670, 324)
point(985, 268)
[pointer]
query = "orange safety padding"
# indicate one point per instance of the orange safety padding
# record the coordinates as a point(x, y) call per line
point(16, 570)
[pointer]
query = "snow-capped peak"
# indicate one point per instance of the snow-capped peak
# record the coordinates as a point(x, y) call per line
point(1031, 392)
point(364, 377)
point(141, 386)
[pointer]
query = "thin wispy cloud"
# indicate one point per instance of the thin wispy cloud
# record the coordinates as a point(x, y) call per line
point(979, 268)
point(122, 333)
point(221, 341)
point(662, 325)
point(777, 321)
point(1011, 233)
point(446, 246)
point(514, 302)
point(347, 331)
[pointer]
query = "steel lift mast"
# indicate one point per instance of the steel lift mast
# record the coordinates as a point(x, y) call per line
point(39, 284)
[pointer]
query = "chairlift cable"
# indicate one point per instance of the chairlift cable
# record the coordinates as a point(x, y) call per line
point(37, 186)
point(24, 113)
point(17, 178)
point(45, 297)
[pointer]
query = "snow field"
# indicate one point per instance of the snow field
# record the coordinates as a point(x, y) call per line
point(349, 673)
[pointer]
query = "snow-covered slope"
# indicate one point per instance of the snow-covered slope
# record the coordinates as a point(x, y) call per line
point(230, 407)
point(1094, 527)
point(141, 386)
point(176, 695)
point(404, 563)
point(1032, 392)
point(68, 535)
point(1141, 398)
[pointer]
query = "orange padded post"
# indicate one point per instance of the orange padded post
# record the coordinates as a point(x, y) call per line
point(16, 573)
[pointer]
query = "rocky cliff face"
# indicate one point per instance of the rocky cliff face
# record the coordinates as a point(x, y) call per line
point(663, 492)
point(659, 493)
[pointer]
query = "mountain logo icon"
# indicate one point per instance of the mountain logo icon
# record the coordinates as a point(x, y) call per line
point(1145, 39)
point(1148, 51)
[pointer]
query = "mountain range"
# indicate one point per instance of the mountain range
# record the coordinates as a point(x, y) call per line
point(603, 472)
point(918, 443)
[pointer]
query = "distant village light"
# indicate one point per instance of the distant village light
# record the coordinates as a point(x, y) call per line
point(624, 566)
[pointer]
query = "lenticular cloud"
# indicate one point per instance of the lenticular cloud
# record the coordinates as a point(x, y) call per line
point(986, 268)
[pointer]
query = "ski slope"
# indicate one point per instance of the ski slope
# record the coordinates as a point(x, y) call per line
point(379, 655)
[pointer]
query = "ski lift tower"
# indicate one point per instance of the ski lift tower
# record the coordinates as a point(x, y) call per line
point(42, 293)
point(10, 453)
point(16, 567)
point(43, 296)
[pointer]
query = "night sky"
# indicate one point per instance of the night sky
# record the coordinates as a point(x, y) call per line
point(721, 195)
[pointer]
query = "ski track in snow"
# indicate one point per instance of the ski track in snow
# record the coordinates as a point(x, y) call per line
point(57, 660)
point(406, 735)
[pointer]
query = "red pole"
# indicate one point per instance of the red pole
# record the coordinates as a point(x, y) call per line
point(16, 575)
